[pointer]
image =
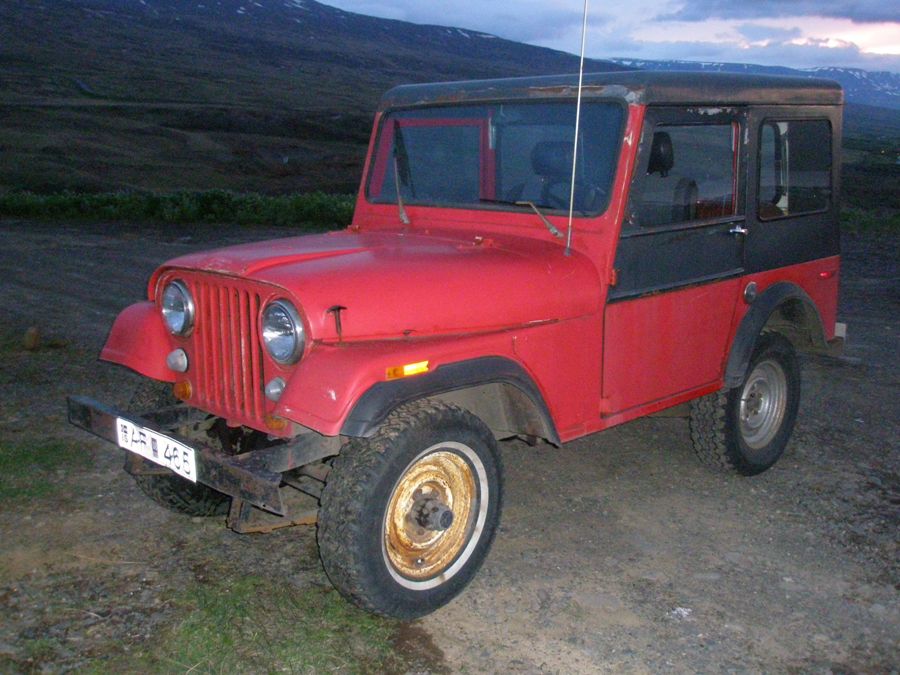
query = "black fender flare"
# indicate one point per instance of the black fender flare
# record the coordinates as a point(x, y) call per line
point(761, 311)
point(373, 407)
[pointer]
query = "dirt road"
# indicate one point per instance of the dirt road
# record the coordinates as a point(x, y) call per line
point(616, 553)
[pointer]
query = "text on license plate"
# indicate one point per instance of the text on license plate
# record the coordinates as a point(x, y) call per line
point(157, 448)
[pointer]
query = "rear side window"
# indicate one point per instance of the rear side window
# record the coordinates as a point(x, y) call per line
point(794, 167)
point(690, 175)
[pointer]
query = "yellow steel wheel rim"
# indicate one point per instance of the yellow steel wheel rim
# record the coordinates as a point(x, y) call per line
point(415, 552)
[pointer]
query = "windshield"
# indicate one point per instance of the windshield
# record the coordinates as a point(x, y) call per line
point(479, 156)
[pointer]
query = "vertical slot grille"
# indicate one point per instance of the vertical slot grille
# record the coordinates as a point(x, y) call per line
point(227, 364)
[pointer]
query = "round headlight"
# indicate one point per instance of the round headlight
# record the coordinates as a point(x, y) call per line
point(178, 308)
point(282, 332)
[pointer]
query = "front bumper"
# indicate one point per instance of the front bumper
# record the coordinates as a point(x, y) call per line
point(253, 478)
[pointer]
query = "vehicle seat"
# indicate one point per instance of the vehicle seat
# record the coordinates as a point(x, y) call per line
point(662, 154)
point(665, 197)
point(684, 201)
point(551, 162)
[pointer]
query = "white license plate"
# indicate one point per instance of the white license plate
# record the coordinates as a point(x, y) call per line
point(157, 448)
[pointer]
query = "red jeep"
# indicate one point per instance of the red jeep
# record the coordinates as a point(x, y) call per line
point(504, 276)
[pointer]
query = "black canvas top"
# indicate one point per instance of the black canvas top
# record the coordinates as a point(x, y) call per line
point(640, 87)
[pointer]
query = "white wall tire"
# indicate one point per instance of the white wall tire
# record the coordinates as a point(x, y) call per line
point(408, 515)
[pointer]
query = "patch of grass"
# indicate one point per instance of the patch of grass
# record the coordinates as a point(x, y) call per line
point(40, 649)
point(31, 358)
point(862, 221)
point(250, 625)
point(27, 470)
point(313, 211)
point(9, 343)
point(36, 655)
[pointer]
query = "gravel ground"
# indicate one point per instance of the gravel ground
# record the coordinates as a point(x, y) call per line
point(617, 553)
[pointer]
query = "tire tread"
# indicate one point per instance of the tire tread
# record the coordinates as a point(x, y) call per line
point(361, 461)
point(708, 431)
point(179, 495)
point(714, 424)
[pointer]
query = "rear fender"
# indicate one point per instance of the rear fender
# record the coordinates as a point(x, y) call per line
point(139, 340)
point(784, 308)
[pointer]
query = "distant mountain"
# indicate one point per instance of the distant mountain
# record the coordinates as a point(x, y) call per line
point(316, 54)
point(860, 86)
point(253, 95)
point(264, 95)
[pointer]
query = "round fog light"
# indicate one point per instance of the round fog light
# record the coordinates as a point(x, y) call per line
point(177, 361)
point(275, 388)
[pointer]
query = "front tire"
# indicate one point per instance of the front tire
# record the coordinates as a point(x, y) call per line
point(408, 515)
point(746, 429)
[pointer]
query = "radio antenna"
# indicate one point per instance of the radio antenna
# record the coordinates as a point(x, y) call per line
point(577, 129)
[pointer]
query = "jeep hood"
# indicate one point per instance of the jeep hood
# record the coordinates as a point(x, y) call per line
point(399, 284)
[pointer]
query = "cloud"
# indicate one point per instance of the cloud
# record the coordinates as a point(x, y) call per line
point(807, 54)
point(859, 11)
point(540, 23)
point(767, 34)
point(794, 33)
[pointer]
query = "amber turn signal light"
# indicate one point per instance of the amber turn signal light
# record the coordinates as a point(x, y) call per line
point(182, 390)
point(276, 423)
point(396, 372)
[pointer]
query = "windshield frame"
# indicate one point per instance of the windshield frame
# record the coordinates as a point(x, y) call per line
point(376, 171)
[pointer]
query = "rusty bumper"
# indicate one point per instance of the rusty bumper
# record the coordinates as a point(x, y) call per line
point(253, 477)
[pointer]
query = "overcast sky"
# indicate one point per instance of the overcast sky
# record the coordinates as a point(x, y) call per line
point(795, 33)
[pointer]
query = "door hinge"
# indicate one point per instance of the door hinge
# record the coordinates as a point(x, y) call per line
point(613, 276)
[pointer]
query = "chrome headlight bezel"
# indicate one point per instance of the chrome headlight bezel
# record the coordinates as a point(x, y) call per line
point(290, 326)
point(179, 321)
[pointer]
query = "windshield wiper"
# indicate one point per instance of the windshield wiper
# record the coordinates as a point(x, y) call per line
point(403, 217)
point(550, 226)
point(401, 158)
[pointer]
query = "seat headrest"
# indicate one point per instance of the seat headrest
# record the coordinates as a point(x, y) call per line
point(552, 158)
point(662, 154)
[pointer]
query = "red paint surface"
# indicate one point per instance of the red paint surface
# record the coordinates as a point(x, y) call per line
point(823, 290)
point(665, 344)
point(397, 284)
point(139, 340)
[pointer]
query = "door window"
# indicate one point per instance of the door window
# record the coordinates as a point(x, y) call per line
point(690, 174)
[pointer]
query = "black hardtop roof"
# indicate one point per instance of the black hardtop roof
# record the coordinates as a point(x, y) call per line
point(639, 86)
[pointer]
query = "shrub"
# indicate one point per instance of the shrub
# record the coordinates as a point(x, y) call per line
point(315, 210)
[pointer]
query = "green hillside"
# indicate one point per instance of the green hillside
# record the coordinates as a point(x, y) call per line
point(166, 94)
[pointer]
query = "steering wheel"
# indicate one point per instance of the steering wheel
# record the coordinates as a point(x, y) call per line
point(587, 196)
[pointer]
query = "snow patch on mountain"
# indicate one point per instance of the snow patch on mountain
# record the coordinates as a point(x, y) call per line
point(877, 88)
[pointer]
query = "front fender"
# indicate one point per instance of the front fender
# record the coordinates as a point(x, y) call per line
point(343, 389)
point(139, 340)
point(378, 401)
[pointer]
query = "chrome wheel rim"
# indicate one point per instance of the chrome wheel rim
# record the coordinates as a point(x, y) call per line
point(452, 476)
point(763, 404)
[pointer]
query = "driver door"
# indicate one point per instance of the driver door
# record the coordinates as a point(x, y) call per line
point(679, 260)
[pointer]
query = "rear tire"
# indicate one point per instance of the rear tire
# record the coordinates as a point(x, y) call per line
point(408, 515)
point(746, 429)
point(166, 489)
